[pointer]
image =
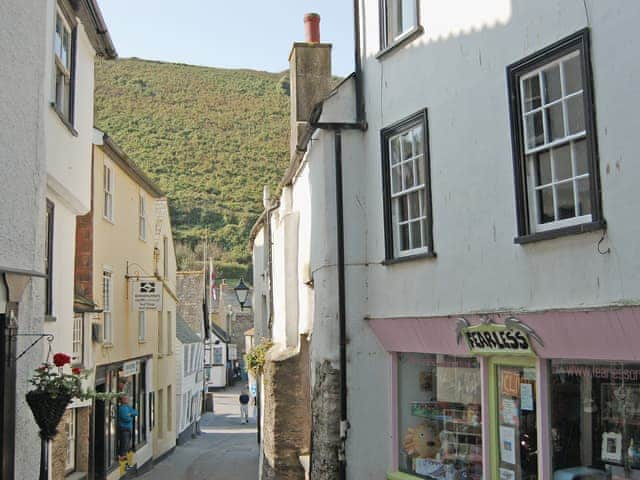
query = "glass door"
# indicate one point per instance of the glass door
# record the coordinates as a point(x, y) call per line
point(514, 419)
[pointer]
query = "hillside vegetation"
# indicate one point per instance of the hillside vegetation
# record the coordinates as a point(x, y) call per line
point(210, 138)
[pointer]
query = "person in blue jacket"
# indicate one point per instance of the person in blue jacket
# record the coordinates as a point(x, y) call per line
point(125, 425)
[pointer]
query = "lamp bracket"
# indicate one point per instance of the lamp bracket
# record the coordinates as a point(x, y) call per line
point(48, 336)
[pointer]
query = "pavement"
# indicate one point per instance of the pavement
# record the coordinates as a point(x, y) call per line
point(226, 449)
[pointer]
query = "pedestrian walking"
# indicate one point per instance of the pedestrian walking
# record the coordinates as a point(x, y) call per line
point(244, 407)
point(125, 426)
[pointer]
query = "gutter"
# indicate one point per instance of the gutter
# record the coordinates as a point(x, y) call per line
point(101, 30)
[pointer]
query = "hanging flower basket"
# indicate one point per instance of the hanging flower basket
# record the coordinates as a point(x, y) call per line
point(48, 411)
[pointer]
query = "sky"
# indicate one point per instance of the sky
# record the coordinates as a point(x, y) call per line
point(254, 34)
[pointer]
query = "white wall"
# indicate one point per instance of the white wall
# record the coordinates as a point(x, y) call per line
point(459, 75)
point(22, 175)
point(456, 69)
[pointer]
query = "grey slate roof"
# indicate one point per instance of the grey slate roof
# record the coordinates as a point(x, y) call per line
point(220, 332)
point(184, 332)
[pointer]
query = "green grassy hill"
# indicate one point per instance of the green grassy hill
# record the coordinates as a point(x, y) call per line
point(211, 138)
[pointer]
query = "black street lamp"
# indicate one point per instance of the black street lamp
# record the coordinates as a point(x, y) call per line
point(242, 292)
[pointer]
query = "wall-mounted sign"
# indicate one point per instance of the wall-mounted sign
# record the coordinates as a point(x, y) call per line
point(493, 338)
point(147, 295)
point(130, 368)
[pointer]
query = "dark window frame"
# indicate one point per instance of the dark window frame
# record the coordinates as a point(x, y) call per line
point(580, 41)
point(420, 117)
point(387, 44)
point(48, 292)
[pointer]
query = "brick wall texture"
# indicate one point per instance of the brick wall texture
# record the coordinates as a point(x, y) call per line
point(84, 255)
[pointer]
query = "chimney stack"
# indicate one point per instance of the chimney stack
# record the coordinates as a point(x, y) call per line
point(310, 76)
point(312, 28)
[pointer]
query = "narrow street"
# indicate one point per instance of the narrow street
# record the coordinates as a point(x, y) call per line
point(226, 449)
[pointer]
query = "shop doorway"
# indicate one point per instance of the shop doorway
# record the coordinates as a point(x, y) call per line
point(514, 415)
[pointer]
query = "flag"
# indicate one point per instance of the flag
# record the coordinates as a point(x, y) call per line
point(212, 286)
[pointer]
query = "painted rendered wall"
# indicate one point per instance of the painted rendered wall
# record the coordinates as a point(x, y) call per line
point(456, 69)
point(117, 243)
point(23, 27)
point(260, 300)
point(69, 154)
point(186, 383)
point(458, 73)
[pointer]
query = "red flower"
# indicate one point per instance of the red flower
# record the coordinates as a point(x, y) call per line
point(76, 370)
point(61, 359)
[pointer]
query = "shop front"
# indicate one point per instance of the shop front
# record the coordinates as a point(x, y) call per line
point(127, 378)
point(552, 395)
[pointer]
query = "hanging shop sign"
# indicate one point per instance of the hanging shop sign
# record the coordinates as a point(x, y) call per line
point(488, 338)
point(130, 368)
point(147, 295)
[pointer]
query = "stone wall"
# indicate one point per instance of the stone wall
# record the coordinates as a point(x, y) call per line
point(286, 414)
point(59, 444)
point(326, 422)
point(190, 289)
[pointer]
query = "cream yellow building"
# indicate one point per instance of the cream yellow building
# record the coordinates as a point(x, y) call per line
point(126, 239)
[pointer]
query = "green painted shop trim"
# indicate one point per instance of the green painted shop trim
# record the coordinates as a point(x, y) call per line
point(401, 476)
point(494, 362)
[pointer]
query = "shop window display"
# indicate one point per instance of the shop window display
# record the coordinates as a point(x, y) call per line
point(595, 420)
point(439, 417)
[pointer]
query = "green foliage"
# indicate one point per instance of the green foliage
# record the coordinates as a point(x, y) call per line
point(210, 138)
point(256, 357)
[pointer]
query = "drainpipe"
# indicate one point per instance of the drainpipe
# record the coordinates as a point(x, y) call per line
point(360, 111)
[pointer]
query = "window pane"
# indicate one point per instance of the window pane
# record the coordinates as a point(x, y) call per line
point(57, 47)
point(404, 237)
point(407, 175)
point(66, 41)
point(595, 418)
point(580, 155)
point(407, 152)
point(439, 416)
point(575, 112)
point(544, 168)
point(421, 170)
point(555, 122)
point(401, 205)
point(414, 204)
point(416, 235)
point(551, 78)
point(564, 198)
point(562, 162)
point(396, 183)
point(584, 196)
point(535, 131)
point(531, 93)
point(395, 150)
point(572, 75)
point(418, 147)
point(545, 205)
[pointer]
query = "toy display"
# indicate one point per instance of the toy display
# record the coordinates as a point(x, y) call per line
point(422, 441)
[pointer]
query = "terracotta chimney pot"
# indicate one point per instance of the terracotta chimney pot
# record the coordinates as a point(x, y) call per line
point(312, 28)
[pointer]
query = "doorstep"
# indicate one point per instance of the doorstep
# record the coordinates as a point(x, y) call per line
point(76, 476)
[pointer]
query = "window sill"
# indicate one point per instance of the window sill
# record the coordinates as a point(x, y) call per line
point(50, 318)
point(107, 219)
point(65, 122)
point(402, 40)
point(106, 344)
point(561, 232)
point(142, 341)
point(409, 258)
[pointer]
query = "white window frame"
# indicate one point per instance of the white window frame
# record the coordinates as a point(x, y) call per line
point(142, 326)
point(393, 27)
point(62, 91)
point(107, 305)
point(108, 190)
point(169, 332)
point(551, 146)
point(71, 430)
point(77, 343)
point(142, 217)
point(160, 333)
